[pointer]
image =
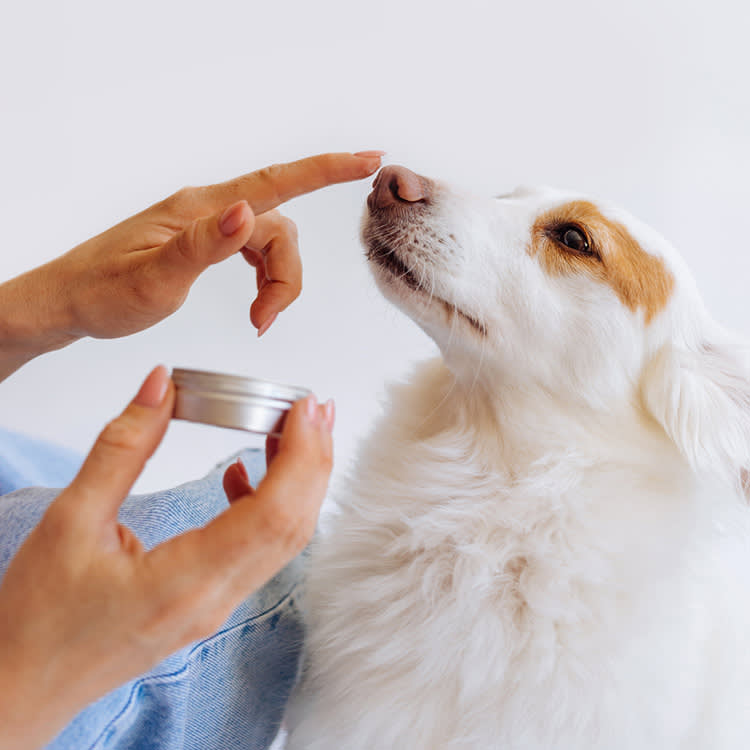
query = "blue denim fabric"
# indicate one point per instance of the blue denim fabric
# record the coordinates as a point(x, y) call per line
point(28, 462)
point(227, 691)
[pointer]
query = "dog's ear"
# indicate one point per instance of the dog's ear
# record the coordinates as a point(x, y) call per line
point(701, 396)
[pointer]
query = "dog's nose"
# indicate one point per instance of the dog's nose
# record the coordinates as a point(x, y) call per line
point(397, 185)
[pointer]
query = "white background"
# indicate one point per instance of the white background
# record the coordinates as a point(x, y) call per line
point(106, 108)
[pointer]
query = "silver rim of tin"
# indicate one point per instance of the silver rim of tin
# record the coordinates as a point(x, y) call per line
point(233, 401)
point(219, 383)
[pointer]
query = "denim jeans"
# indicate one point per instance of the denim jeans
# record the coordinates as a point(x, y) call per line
point(224, 692)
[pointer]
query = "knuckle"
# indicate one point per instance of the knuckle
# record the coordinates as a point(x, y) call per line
point(270, 176)
point(294, 287)
point(181, 201)
point(289, 228)
point(120, 435)
point(59, 520)
point(271, 172)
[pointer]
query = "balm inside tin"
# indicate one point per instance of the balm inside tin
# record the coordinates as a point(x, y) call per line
point(233, 401)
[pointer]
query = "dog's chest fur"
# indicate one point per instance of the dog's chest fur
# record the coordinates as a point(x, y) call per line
point(468, 595)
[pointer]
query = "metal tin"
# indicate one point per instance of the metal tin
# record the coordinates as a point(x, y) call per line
point(233, 401)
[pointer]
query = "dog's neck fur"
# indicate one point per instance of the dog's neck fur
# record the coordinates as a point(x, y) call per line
point(509, 431)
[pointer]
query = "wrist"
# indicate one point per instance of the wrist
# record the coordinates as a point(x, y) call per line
point(33, 318)
point(28, 719)
point(39, 693)
point(30, 723)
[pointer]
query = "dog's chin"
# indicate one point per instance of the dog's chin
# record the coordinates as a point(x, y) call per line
point(403, 287)
point(389, 267)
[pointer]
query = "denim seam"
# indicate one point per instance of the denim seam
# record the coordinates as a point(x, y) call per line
point(174, 676)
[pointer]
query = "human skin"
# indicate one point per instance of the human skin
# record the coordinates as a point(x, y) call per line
point(140, 271)
point(83, 607)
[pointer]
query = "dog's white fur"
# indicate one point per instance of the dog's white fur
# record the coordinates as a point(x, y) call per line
point(545, 543)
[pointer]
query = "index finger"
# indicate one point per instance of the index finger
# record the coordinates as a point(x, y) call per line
point(269, 187)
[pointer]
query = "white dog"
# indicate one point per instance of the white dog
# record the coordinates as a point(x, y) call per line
point(546, 543)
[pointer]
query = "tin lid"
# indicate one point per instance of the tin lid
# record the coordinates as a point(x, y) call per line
point(220, 383)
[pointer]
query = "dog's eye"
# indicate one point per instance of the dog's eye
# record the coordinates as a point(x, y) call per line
point(574, 238)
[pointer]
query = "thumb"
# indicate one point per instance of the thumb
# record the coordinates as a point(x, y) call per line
point(121, 451)
point(210, 239)
point(261, 531)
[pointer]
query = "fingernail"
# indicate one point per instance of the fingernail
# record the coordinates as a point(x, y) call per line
point(242, 469)
point(232, 219)
point(370, 154)
point(330, 413)
point(266, 325)
point(154, 388)
point(311, 408)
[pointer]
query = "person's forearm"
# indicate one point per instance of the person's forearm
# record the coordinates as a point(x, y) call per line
point(32, 318)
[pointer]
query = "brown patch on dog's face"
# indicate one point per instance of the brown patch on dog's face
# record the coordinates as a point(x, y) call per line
point(577, 238)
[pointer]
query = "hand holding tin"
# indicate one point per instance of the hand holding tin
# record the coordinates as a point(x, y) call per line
point(84, 597)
